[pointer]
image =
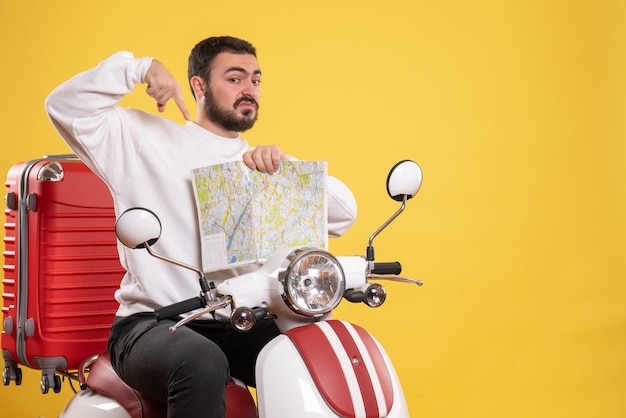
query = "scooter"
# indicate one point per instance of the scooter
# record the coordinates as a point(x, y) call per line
point(317, 367)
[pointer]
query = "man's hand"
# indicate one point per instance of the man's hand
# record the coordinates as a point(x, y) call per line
point(265, 158)
point(162, 86)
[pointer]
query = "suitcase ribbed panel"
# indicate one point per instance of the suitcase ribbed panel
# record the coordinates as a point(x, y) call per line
point(78, 268)
point(81, 271)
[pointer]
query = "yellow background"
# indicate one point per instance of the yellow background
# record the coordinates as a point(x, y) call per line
point(515, 111)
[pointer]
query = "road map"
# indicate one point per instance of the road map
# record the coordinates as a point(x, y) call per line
point(246, 215)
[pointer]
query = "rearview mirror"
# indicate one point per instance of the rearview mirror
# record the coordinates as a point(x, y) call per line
point(404, 179)
point(138, 228)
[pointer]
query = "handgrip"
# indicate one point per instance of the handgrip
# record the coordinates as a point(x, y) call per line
point(387, 268)
point(179, 308)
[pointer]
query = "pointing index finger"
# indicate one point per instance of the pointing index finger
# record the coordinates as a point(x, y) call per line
point(180, 102)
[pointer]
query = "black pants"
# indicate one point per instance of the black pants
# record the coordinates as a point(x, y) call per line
point(190, 368)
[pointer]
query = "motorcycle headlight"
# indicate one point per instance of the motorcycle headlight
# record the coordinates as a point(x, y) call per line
point(313, 282)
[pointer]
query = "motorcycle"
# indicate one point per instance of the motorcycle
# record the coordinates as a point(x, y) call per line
point(317, 367)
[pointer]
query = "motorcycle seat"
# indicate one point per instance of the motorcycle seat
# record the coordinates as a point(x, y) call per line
point(102, 378)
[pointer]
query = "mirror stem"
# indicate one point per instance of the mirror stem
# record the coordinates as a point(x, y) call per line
point(370, 247)
point(204, 285)
point(178, 263)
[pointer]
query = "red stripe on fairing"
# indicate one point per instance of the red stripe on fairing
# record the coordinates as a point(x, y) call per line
point(322, 363)
point(360, 370)
point(379, 364)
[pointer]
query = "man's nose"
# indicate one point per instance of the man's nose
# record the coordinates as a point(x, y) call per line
point(250, 89)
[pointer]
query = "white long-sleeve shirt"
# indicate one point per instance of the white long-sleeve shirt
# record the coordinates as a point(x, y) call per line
point(147, 161)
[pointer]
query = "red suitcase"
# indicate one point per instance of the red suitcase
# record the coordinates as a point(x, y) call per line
point(61, 268)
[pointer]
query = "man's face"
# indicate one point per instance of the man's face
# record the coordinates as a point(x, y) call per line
point(232, 95)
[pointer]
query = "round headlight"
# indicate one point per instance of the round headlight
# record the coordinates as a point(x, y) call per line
point(313, 282)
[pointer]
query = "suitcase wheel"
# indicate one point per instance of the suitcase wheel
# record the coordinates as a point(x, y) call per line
point(45, 383)
point(7, 376)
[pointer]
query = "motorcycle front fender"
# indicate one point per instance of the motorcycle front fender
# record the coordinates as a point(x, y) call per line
point(91, 404)
point(327, 369)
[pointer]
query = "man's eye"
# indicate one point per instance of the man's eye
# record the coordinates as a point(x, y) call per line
point(233, 80)
point(256, 82)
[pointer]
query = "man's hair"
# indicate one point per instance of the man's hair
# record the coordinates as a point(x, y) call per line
point(203, 54)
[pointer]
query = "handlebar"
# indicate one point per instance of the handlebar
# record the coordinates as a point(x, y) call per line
point(179, 308)
point(387, 268)
point(379, 270)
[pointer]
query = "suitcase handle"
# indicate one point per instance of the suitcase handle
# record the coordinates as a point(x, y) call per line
point(60, 157)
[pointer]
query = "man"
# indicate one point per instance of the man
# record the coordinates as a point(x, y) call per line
point(146, 160)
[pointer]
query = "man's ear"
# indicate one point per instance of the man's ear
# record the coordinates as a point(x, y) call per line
point(198, 86)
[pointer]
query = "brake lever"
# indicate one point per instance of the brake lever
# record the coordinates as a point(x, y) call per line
point(212, 306)
point(394, 279)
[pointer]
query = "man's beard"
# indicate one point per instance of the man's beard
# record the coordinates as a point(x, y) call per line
point(229, 119)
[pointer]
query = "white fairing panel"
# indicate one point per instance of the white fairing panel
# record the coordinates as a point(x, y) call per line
point(286, 389)
point(91, 404)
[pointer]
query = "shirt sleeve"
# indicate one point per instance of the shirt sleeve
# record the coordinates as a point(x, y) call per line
point(93, 92)
point(342, 208)
point(85, 111)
